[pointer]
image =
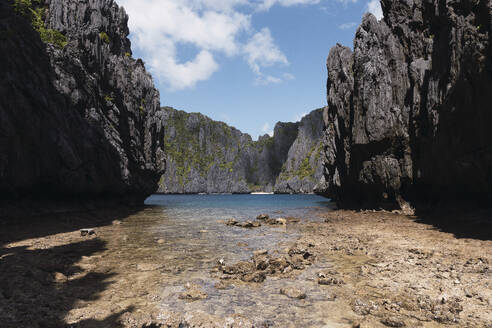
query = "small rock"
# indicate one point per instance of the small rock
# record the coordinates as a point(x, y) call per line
point(278, 221)
point(231, 222)
point(60, 277)
point(292, 219)
point(260, 252)
point(393, 322)
point(262, 217)
point(87, 232)
point(330, 281)
point(281, 221)
point(254, 277)
point(223, 285)
point(248, 224)
point(293, 292)
point(161, 241)
point(193, 293)
point(239, 268)
point(116, 222)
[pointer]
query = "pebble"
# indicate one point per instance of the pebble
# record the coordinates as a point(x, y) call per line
point(293, 292)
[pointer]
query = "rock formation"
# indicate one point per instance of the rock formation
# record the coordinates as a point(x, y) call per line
point(79, 117)
point(206, 156)
point(408, 116)
point(303, 169)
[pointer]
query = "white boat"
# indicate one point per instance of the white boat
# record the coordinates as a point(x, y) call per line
point(262, 193)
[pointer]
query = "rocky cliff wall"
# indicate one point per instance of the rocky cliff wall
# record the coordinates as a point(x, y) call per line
point(302, 171)
point(408, 117)
point(206, 156)
point(79, 117)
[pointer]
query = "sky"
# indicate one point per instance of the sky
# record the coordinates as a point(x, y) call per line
point(248, 63)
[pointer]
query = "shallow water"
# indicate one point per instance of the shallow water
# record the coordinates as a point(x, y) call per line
point(193, 237)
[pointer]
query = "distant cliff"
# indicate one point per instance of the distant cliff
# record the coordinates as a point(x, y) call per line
point(303, 169)
point(79, 117)
point(206, 156)
point(408, 117)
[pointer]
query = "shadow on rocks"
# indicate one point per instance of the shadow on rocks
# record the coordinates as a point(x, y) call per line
point(36, 219)
point(471, 222)
point(38, 287)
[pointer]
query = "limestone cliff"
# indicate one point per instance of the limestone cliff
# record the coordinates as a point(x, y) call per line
point(408, 116)
point(303, 169)
point(206, 156)
point(79, 117)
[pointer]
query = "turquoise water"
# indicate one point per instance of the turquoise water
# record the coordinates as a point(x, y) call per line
point(245, 205)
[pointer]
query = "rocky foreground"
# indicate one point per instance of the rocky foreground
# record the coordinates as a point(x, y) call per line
point(356, 269)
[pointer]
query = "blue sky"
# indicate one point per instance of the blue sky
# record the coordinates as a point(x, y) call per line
point(249, 63)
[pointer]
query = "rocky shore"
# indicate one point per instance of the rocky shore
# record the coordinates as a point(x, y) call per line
point(356, 269)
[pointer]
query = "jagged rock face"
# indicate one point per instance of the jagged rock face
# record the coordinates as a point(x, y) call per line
point(206, 156)
point(203, 156)
point(81, 120)
point(408, 111)
point(302, 170)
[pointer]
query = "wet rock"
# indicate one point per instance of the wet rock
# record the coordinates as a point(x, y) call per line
point(263, 217)
point(258, 276)
point(330, 281)
point(232, 222)
point(221, 285)
point(193, 292)
point(277, 221)
point(293, 292)
point(302, 251)
point(393, 322)
point(363, 307)
point(292, 219)
point(261, 262)
point(239, 268)
point(248, 224)
point(260, 252)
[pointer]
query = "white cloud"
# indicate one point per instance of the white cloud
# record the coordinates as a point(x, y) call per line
point(267, 129)
point(267, 4)
point(213, 28)
point(374, 7)
point(300, 116)
point(261, 51)
point(347, 26)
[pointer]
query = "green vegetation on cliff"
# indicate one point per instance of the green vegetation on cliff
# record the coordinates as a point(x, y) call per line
point(35, 11)
point(209, 156)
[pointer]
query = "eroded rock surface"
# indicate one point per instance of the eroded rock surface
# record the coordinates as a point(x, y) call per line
point(408, 110)
point(79, 117)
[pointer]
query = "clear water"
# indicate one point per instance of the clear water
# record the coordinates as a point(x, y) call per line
point(192, 236)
